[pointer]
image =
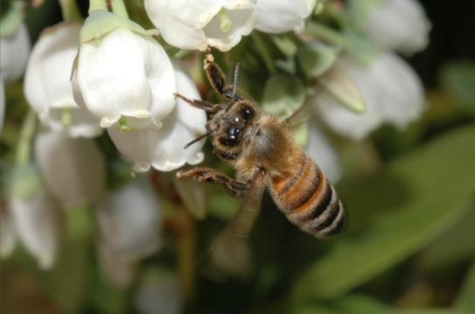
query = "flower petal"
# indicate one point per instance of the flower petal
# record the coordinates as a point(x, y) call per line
point(277, 17)
point(38, 224)
point(47, 83)
point(163, 149)
point(129, 221)
point(125, 75)
point(14, 51)
point(74, 169)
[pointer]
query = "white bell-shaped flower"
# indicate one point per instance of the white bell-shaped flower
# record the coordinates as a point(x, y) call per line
point(125, 76)
point(38, 224)
point(392, 92)
point(7, 233)
point(163, 149)
point(197, 24)
point(118, 271)
point(282, 16)
point(400, 25)
point(323, 154)
point(73, 168)
point(14, 51)
point(47, 83)
point(129, 221)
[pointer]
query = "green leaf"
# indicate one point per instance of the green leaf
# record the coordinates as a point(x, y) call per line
point(285, 44)
point(316, 58)
point(453, 247)
point(465, 303)
point(283, 94)
point(458, 80)
point(433, 186)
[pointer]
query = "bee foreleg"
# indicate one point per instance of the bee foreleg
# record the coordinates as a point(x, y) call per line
point(233, 187)
point(201, 104)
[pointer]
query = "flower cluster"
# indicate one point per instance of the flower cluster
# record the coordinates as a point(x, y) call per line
point(104, 89)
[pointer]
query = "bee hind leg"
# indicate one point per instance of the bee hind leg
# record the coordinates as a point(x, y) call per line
point(233, 187)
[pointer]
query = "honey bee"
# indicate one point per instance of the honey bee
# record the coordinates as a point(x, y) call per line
point(261, 149)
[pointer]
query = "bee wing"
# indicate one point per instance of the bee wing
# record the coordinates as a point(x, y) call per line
point(230, 252)
point(301, 115)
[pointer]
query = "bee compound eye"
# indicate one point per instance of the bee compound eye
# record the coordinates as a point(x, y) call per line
point(247, 112)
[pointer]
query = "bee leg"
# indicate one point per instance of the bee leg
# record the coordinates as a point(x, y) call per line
point(201, 104)
point(233, 187)
point(214, 73)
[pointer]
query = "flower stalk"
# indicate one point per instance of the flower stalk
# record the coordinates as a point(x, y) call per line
point(70, 10)
point(118, 7)
point(97, 5)
point(26, 136)
point(262, 48)
point(326, 33)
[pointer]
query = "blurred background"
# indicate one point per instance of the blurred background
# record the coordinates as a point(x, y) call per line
point(409, 189)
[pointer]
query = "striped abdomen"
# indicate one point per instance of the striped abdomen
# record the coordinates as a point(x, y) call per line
point(309, 200)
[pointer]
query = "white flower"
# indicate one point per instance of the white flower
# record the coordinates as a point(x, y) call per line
point(47, 82)
point(129, 221)
point(38, 225)
point(391, 90)
point(118, 271)
point(7, 232)
point(282, 16)
point(397, 24)
point(14, 50)
point(125, 76)
point(197, 24)
point(323, 154)
point(73, 168)
point(163, 149)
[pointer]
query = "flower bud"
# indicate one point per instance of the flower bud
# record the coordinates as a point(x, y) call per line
point(129, 221)
point(163, 149)
point(391, 90)
point(191, 24)
point(123, 75)
point(14, 50)
point(400, 25)
point(74, 169)
point(38, 224)
point(282, 16)
point(48, 82)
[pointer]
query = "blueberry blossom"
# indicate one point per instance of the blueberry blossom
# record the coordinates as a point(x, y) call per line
point(122, 74)
point(47, 83)
point(37, 221)
point(73, 168)
point(129, 221)
point(400, 25)
point(283, 16)
point(391, 90)
point(192, 24)
point(163, 149)
point(14, 51)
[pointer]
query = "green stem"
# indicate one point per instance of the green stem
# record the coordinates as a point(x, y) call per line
point(118, 7)
point(27, 132)
point(262, 48)
point(70, 10)
point(326, 33)
point(97, 5)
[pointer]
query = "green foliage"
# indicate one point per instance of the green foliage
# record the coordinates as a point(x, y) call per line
point(458, 80)
point(432, 195)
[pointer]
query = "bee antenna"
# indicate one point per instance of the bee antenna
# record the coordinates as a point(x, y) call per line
point(199, 138)
point(237, 66)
